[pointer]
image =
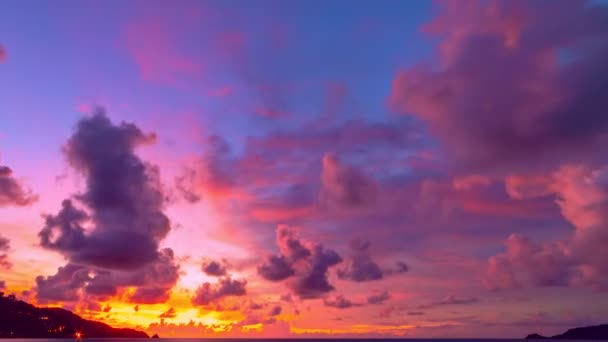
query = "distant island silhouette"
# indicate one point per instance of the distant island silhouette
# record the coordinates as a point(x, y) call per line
point(19, 319)
point(596, 332)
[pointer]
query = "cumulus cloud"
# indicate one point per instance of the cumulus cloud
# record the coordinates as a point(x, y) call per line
point(313, 281)
point(215, 268)
point(275, 268)
point(225, 287)
point(340, 302)
point(304, 265)
point(361, 267)
point(65, 285)
point(122, 209)
point(12, 191)
point(516, 84)
point(577, 260)
point(379, 297)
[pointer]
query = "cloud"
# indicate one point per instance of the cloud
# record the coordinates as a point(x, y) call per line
point(313, 282)
point(171, 313)
point(215, 268)
point(153, 47)
point(65, 285)
point(451, 300)
point(4, 247)
point(2, 284)
point(361, 267)
point(290, 245)
point(11, 190)
point(379, 297)
point(275, 268)
point(275, 311)
point(3, 54)
point(303, 264)
point(122, 209)
point(582, 195)
point(344, 185)
point(340, 302)
point(209, 293)
point(513, 80)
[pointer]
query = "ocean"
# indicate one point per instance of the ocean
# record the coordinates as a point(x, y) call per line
point(274, 340)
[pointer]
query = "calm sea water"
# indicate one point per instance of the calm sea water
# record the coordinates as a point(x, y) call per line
point(267, 339)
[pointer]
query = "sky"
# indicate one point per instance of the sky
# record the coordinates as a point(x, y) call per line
point(307, 168)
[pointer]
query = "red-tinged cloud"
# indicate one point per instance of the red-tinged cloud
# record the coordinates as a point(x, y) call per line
point(3, 54)
point(122, 203)
point(517, 84)
point(4, 247)
point(578, 260)
point(12, 191)
point(344, 185)
point(152, 45)
point(169, 314)
point(225, 287)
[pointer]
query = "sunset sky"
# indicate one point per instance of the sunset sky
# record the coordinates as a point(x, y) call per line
point(307, 168)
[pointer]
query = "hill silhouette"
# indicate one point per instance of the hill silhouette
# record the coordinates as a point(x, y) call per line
point(596, 332)
point(19, 319)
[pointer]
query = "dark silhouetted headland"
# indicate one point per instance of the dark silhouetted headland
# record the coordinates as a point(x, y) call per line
point(597, 332)
point(19, 319)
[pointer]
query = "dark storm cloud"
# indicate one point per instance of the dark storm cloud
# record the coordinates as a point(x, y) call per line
point(11, 190)
point(209, 293)
point(122, 208)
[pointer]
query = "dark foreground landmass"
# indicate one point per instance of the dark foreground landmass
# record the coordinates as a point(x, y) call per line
point(19, 319)
point(597, 332)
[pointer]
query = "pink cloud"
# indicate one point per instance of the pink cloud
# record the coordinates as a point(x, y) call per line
point(501, 94)
point(3, 54)
point(577, 260)
point(151, 44)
